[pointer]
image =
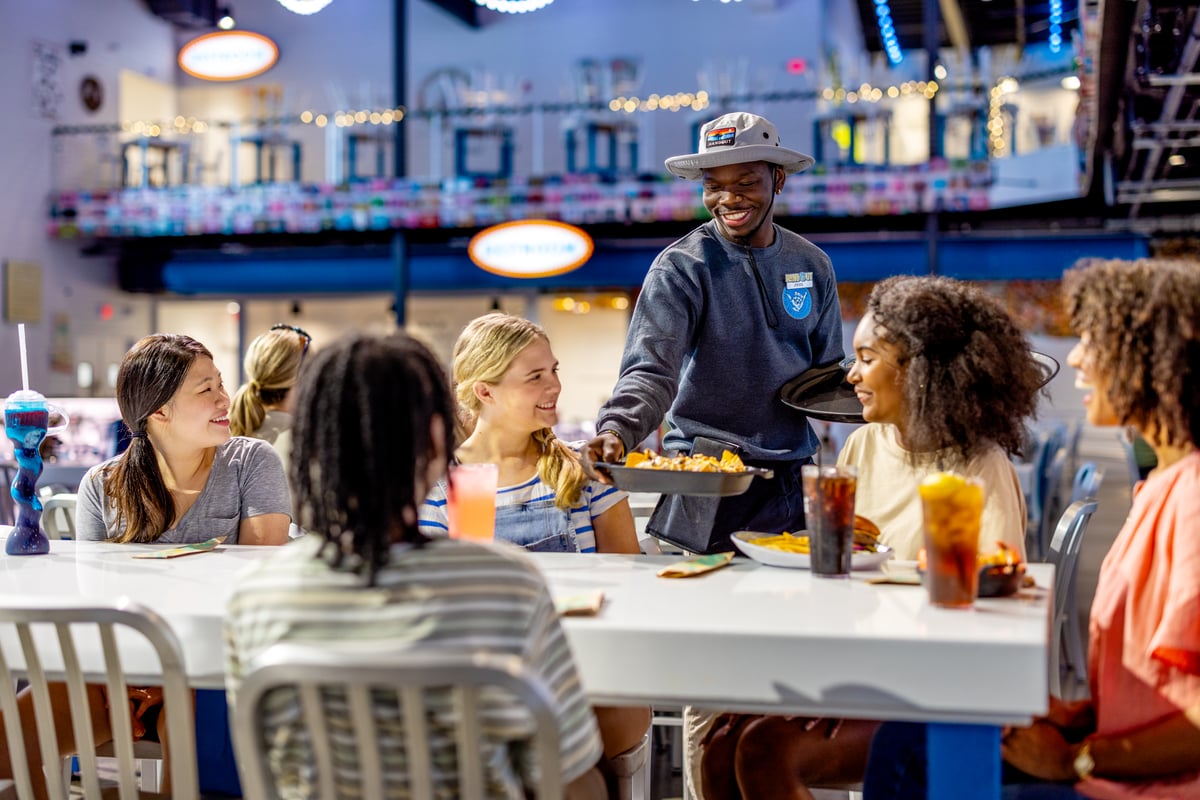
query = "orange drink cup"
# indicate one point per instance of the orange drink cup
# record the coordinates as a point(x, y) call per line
point(953, 507)
point(471, 501)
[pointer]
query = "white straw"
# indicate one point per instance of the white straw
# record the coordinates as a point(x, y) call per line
point(24, 357)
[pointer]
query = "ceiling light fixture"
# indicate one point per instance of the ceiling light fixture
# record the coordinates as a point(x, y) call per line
point(512, 6)
point(304, 6)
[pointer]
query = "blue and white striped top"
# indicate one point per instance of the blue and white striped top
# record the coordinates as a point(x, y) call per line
point(594, 500)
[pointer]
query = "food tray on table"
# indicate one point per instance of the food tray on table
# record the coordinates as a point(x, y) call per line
point(859, 559)
point(667, 481)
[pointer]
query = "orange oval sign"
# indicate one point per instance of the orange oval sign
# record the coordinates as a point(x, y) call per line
point(228, 56)
point(530, 248)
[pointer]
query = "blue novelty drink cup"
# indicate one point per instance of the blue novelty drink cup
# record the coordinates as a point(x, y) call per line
point(26, 423)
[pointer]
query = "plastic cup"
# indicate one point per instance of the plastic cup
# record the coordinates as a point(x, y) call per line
point(829, 516)
point(471, 501)
point(953, 509)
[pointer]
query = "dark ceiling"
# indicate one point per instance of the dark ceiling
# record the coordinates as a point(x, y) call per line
point(1156, 134)
point(981, 22)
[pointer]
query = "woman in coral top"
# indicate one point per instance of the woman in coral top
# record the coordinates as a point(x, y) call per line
point(1139, 734)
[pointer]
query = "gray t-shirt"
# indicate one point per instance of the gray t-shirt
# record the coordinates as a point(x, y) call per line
point(246, 481)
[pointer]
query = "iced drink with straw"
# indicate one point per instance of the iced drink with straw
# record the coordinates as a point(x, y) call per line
point(471, 501)
point(953, 508)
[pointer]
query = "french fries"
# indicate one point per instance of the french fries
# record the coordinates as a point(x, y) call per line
point(729, 462)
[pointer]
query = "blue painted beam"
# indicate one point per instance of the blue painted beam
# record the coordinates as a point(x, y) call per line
point(968, 258)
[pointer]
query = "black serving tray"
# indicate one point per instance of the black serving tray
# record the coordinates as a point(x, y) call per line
point(823, 392)
point(668, 481)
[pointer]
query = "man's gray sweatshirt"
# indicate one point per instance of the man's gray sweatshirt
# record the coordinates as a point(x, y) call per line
point(709, 348)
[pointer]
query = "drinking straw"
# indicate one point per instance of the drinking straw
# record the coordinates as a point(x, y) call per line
point(24, 357)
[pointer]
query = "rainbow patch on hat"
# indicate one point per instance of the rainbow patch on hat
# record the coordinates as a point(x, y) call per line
point(721, 137)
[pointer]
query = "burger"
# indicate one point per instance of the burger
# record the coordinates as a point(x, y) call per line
point(866, 535)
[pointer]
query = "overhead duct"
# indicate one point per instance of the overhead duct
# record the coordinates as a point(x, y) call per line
point(186, 13)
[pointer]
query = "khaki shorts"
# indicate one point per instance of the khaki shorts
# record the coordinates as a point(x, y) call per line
point(696, 722)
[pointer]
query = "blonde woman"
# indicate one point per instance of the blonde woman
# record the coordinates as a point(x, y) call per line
point(262, 406)
point(507, 387)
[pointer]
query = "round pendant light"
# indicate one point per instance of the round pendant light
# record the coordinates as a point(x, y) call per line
point(512, 6)
point(304, 6)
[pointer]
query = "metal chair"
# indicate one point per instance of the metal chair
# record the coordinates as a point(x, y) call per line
point(58, 516)
point(77, 643)
point(1064, 554)
point(365, 688)
point(1087, 482)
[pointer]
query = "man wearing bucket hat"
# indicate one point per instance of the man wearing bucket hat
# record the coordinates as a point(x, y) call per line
point(726, 316)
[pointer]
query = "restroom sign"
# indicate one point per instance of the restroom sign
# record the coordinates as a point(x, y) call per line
point(228, 56)
point(530, 248)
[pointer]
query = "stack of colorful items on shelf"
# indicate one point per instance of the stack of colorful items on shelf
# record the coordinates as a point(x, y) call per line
point(470, 203)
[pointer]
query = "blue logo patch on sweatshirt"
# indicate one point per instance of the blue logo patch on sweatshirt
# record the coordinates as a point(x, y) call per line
point(797, 297)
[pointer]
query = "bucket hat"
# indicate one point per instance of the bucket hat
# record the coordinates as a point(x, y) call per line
point(737, 138)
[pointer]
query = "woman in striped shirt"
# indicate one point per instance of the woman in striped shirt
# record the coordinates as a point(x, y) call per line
point(507, 386)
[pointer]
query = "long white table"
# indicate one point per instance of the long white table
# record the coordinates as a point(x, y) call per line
point(746, 637)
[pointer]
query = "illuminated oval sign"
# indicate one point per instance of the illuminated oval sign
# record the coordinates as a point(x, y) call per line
point(228, 56)
point(530, 248)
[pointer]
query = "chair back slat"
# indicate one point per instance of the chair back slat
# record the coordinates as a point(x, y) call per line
point(81, 713)
point(42, 710)
point(366, 740)
point(416, 742)
point(470, 759)
point(12, 730)
point(411, 676)
point(118, 714)
point(318, 729)
point(60, 660)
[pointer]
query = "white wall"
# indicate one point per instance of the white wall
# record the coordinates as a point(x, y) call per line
point(120, 34)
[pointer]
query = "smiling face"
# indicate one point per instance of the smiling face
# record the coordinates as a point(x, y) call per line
point(1088, 375)
point(877, 376)
point(527, 395)
point(198, 413)
point(739, 197)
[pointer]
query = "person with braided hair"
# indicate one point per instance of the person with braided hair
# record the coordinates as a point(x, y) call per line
point(506, 383)
point(262, 405)
point(373, 431)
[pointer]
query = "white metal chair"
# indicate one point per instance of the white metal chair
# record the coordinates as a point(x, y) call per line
point(78, 643)
point(58, 516)
point(1064, 554)
point(364, 685)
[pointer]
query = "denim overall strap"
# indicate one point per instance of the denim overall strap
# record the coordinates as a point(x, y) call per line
point(539, 526)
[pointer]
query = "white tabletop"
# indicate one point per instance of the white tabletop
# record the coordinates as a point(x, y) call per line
point(743, 637)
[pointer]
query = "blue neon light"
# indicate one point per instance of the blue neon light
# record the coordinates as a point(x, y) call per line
point(887, 31)
point(1056, 16)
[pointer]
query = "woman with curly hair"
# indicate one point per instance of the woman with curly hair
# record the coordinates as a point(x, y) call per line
point(1139, 733)
point(946, 380)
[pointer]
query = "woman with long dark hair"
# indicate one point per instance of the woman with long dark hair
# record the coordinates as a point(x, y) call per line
point(183, 478)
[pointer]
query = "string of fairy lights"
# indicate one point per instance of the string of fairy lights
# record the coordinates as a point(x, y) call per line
point(672, 102)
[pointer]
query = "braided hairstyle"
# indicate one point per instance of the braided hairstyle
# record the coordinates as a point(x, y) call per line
point(968, 376)
point(272, 363)
point(149, 376)
point(1142, 320)
point(484, 351)
point(363, 446)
